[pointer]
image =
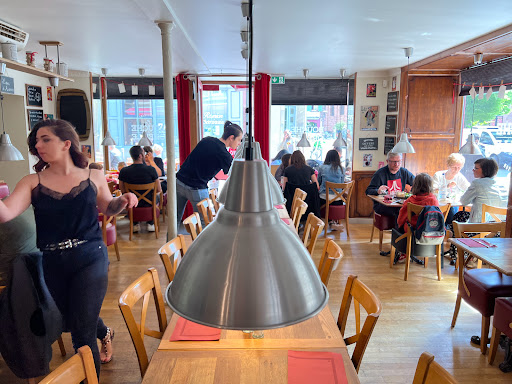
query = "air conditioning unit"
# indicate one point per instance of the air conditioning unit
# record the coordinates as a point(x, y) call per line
point(11, 34)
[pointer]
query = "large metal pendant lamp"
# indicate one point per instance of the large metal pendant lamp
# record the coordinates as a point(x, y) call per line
point(247, 270)
point(108, 140)
point(471, 147)
point(339, 142)
point(8, 152)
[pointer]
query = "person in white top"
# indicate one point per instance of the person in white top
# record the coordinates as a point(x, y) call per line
point(452, 177)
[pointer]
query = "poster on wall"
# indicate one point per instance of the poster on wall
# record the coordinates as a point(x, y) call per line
point(48, 116)
point(367, 160)
point(371, 90)
point(49, 93)
point(369, 118)
point(390, 128)
point(86, 150)
point(389, 143)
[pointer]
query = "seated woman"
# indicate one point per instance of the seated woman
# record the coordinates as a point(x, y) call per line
point(285, 162)
point(332, 171)
point(277, 160)
point(157, 163)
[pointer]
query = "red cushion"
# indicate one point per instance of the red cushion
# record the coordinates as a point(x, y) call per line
point(485, 285)
point(111, 234)
point(383, 222)
point(4, 191)
point(144, 214)
point(503, 315)
point(336, 212)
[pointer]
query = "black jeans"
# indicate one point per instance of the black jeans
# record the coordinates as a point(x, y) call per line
point(77, 279)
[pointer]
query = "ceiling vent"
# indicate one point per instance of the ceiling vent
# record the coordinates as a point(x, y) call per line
point(11, 34)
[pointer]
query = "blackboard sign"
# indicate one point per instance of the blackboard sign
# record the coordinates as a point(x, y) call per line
point(389, 143)
point(7, 84)
point(34, 96)
point(369, 144)
point(390, 125)
point(393, 101)
point(34, 117)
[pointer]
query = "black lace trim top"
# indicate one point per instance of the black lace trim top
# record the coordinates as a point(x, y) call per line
point(61, 216)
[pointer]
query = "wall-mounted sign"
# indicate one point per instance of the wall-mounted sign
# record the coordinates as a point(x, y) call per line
point(7, 84)
point(369, 144)
point(277, 79)
point(34, 117)
point(34, 96)
point(389, 143)
point(369, 118)
point(390, 125)
point(393, 101)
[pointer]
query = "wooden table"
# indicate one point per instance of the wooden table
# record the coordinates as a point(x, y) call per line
point(238, 358)
point(380, 199)
point(283, 214)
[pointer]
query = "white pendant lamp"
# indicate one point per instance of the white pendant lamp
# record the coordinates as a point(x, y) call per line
point(304, 142)
point(471, 147)
point(144, 140)
point(403, 146)
point(339, 142)
point(108, 140)
point(8, 152)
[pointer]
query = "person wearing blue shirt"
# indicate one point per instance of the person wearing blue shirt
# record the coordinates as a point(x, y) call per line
point(331, 170)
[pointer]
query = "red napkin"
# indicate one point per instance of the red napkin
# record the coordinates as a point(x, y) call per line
point(472, 243)
point(279, 206)
point(316, 367)
point(188, 330)
point(287, 221)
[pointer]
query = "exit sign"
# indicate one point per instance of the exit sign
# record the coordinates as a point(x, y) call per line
point(277, 80)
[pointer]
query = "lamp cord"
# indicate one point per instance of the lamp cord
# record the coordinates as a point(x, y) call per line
point(2, 107)
point(249, 153)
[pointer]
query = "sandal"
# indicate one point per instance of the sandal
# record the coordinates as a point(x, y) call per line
point(106, 344)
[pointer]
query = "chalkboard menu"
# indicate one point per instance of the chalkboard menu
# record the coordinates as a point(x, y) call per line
point(393, 101)
point(34, 96)
point(34, 117)
point(369, 144)
point(389, 143)
point(391, 124)
point(7, 84)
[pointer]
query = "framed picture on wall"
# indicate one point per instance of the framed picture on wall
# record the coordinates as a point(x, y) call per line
point(371, 90)
point(369, 118)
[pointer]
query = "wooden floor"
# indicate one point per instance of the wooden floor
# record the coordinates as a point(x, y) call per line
point(416, 314)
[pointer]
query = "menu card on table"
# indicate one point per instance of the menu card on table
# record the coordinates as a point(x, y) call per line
point(188, 330)
point(316, 367)
point(477, 243)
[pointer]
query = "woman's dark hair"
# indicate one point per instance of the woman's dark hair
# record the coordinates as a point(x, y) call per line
point(148, 149)
point(280, 154)
point(297, 159)
point(489, 166)
point(64, 131)
point(332, 158)
point(231, 129)
point(422, 184)
point(285, 160)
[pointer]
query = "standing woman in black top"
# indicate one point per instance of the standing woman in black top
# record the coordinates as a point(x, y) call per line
point(206, 160)
point(66, 197)
point(298, 173)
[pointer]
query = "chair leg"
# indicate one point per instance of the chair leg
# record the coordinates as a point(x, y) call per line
point(117, 250)
point(381, 235)
point(392, 257)
point(407, 259)
point(438, 262)
point(484, 337)
point(347, 225)
point(371, 236)
point(495, 340)
point(425, 262)
point(457, 308)
point(61, 346)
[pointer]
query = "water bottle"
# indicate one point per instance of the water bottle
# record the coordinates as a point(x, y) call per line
point(442, 189)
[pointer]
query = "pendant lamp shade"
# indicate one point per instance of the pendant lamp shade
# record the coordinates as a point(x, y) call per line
point(403, 146)
point(339, 142)
point(108, 140)
point(144, 140)
point(8, 152)
point(303, 142)
point(471, 147)
point(247, 269)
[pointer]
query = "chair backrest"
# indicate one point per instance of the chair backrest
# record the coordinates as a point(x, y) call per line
point(206, 210)
point(493, 211)
point(414, 209)
point(142, 288)
point(112, 186)
point(171, 254)
point(213, 198)
point(364, 296)
point(430, 372)
point(193, 225)
point(485, 229)
point(142, 191)
point(273, 169)
point(331, 256)
point(117, 193)
point(332, 193)
point(298, 195)
point(300, 209)
point(76, 369)
point(312, 230)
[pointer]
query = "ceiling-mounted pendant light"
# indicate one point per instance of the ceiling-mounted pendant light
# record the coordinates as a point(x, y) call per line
point(8, 152)
point(339, 142)
point(108, 140)
point(471, 147)
point(304, 142)
point(247, 270)
point(478, 58)
point(403, 146)
point(144, 140)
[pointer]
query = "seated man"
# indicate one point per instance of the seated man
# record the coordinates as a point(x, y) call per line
point(389, 179)
point(139, 173)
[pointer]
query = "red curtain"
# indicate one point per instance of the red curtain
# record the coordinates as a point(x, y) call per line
point(183, 96)
point(262, 113)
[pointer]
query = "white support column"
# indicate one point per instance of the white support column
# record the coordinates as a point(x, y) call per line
point(172, 216)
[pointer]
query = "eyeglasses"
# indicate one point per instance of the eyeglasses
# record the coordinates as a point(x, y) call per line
point(395, 161)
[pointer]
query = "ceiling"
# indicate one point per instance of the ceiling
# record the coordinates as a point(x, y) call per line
point(289, 35)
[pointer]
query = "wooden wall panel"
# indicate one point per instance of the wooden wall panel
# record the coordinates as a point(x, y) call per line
point(360, 205)
point(430, 155)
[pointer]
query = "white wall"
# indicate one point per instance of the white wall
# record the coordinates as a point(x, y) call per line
point(364, 78)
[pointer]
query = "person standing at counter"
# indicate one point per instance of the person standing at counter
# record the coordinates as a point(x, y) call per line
point(208, 157)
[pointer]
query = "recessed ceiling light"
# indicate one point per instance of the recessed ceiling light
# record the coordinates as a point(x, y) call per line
point(373, 19)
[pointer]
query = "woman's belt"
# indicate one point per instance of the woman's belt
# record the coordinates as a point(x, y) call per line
point(66, 244)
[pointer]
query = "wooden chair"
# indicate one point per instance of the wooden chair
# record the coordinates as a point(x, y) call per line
point(109, 231)
point(273, 169)
point(361, 294)
point(300, 209)
point(298, 195)
point(331, 256)
point(205, 208)
point(141, 288)
point(429, 371)
point(413, 249)
point(163, 205)
point(382, 223)
point(493, 211)
point(312, 230)
point(480, 287)
point(112, 186)
point(337, 212)
point(213, 197)
point(171, 254)
point(500, 324)
point(150, 213)
point(78, 368)
point(193, 225)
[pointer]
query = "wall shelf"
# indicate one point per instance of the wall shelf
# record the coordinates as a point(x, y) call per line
point(31, 70)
